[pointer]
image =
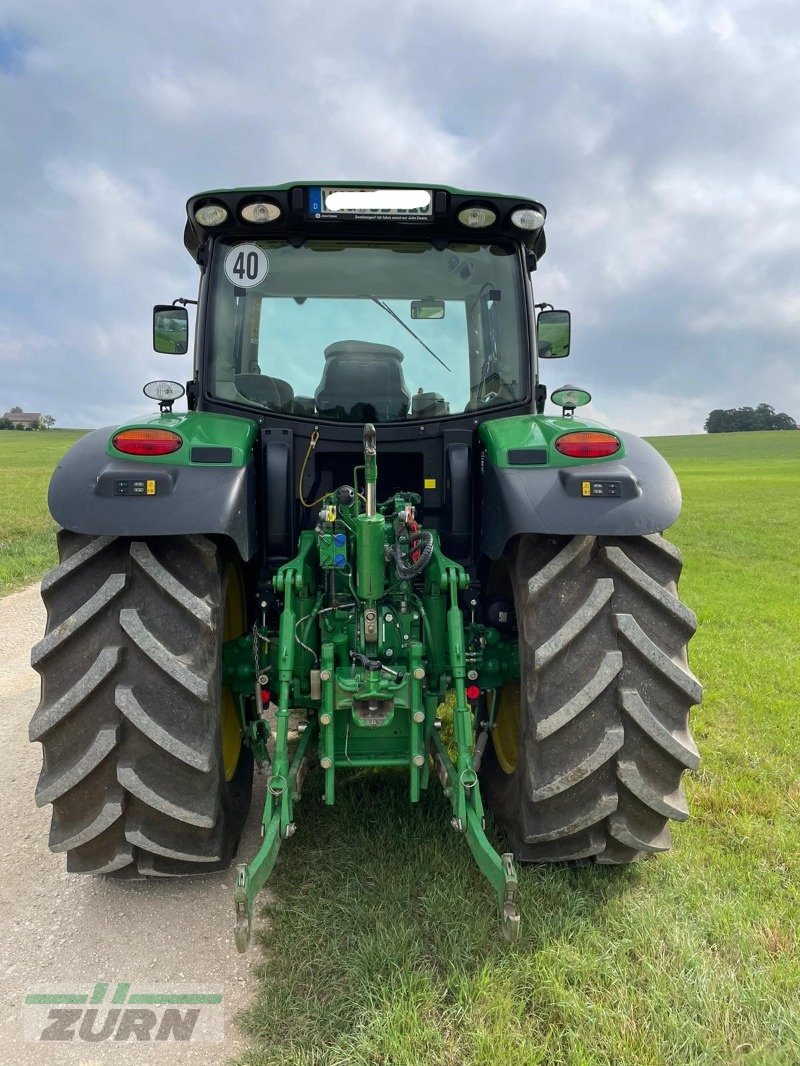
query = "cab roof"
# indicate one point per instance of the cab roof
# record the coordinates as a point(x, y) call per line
point(303, 214)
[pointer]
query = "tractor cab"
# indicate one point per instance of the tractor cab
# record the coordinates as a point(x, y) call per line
point(325, 307)
point(343, 304)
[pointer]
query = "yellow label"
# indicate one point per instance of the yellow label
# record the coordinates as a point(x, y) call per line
point(430, 482)
point(330, 513)
point(151, 488)
point(586, 488)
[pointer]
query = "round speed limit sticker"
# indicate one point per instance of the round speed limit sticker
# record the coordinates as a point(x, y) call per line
point(246, 265)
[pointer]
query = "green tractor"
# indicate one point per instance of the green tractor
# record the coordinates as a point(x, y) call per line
point(363, 525)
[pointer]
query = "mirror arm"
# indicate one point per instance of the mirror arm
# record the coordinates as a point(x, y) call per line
point(182, 300)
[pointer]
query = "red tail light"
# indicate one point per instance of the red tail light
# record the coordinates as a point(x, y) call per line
point(147, 441)
point(588, 444)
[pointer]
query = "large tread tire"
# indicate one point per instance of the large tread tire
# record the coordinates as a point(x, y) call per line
point(605, 691)
point(129, 717)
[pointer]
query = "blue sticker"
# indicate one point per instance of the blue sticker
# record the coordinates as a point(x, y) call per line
point(315, 200)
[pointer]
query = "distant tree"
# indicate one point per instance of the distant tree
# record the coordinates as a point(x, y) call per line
point(747, 419)
point(716, 421)
point(784, 421)
point(6, 423)
point(16, 411)
point(47, 421)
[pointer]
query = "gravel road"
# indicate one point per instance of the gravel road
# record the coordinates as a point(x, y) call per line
point(68, 932)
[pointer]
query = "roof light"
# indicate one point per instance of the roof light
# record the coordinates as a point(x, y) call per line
point(210, 215)
point(260, 212)
point(527, 218)
point(477, 217)
point(147, 441)
point(588, 444)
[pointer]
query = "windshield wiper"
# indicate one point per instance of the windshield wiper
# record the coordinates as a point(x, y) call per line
point(408, 329)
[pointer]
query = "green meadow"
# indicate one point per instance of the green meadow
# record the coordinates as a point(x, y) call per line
point(381, 944)
point(27, 543)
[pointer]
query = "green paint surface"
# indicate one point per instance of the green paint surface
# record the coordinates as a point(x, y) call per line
point(501, 435)
point(197, 429)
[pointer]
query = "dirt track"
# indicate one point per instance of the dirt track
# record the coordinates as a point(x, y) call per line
point(57, 929)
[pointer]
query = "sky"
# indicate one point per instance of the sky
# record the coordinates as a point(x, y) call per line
point(663, 138)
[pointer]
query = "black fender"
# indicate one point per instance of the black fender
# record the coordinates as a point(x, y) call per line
point(86, 496)
point(549, 500)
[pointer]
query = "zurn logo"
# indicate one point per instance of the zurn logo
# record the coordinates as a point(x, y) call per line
point(119, 1013)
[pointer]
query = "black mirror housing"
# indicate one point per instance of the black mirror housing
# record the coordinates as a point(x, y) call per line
point(553, 334)
point(170, 329)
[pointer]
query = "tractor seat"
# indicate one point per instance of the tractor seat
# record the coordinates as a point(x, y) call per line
point(363, 381)
point(273, 393)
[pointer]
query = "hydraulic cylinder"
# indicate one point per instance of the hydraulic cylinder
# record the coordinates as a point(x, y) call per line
point(371, 567)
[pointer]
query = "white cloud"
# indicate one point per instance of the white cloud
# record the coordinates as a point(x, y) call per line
point(662, 137)
point(651, 412)
point(113, 220)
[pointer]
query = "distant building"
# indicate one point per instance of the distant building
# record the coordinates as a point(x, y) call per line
point(24, 419)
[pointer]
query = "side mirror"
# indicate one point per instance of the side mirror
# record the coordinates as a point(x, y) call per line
point(427, 309)
point(170, 329)
point(552, 334)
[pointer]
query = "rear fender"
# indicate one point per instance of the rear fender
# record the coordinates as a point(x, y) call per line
point(571, 499)
point(207, 487)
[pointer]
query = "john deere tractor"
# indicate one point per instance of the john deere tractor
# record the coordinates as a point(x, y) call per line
point(365, 524)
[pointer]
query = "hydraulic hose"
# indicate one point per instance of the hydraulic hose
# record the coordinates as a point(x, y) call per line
point(420, 541)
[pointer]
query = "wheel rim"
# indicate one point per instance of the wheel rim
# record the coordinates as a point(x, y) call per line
point(505, 735)
point(234, 625)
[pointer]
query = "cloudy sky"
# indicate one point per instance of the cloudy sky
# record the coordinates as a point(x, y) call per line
point(663, 137)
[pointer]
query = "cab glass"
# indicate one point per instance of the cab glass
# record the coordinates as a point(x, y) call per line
point(329, 330)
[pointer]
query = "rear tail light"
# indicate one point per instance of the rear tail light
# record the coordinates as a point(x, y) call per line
point(147, 441)
point(588, 444)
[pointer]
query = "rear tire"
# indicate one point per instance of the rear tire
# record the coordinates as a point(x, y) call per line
point(130, 711)
point(605, 690)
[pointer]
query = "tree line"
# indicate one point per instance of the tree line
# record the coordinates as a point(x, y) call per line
point(742, 419)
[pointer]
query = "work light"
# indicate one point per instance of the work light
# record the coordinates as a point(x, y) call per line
point(260, 212)
point(527, 218)
point(211, 215)
point(477, 217)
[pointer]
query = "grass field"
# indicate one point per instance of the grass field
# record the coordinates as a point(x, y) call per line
point(27, 545)
point(382, 945)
